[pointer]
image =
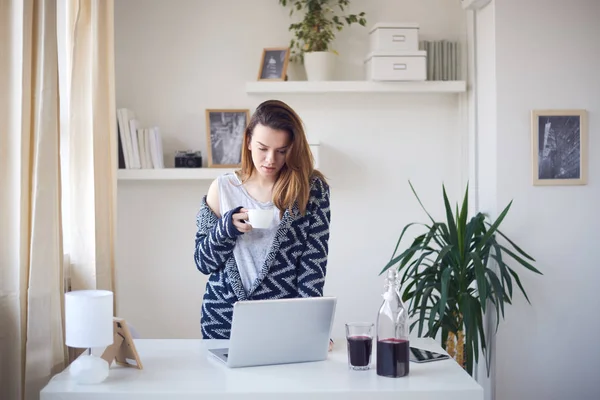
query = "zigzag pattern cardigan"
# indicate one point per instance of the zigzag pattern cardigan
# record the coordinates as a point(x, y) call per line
point(295, 265)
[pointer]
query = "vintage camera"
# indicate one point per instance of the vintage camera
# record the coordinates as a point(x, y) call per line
point(188, 159)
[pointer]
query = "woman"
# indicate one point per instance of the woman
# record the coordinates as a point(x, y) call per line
point(287, 259)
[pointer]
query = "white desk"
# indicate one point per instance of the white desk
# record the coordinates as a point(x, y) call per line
point(182, 369)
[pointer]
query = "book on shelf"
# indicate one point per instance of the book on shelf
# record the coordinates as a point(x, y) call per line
point(443, 59)
point(139, 147)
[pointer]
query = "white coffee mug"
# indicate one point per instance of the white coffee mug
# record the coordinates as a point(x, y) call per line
point(260, 219)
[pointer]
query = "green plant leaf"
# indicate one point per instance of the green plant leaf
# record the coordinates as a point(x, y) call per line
point(419, 291)
point(407, 294)
point(514, 274)
point(499, 289)
point(480, 277)
point(423, 308)
point(417, 245)
point(450, 218)
point(506, 279)
point(465, 313)
point(411, 270)
point(477, 312)
point(444, 291)
point(523, 253)
point(401, 236)
point(500, 294)
point(412, 325)
point(419, 200)
point(495, 225)
point(432, 314)
point(469, 355)
point(462, 228)
point(520, 260)
point(425, 247)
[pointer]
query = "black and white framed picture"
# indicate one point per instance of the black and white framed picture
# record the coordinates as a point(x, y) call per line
point(559, 147)
point(225, 134)
point(274, 64)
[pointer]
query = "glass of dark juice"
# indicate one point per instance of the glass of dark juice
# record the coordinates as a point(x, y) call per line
point(359, 336)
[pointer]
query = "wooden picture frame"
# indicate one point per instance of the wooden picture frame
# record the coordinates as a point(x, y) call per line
point(123, 350)
point(225, 136)
point(274, 64)
point(559, 147)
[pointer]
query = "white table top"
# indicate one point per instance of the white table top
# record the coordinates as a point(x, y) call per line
point(182, 369)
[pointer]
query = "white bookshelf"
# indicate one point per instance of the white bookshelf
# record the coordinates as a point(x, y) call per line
point(356, 87)
point(182, 174)
point(172, 174)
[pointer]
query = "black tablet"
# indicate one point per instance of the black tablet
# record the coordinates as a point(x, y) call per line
point(422, 356)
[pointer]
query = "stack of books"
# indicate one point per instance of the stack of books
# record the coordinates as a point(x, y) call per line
point(139, 147)
point(443, 59)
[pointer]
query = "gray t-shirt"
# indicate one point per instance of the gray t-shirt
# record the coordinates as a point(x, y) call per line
point(251, 248)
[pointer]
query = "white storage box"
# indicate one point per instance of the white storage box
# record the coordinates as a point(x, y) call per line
point(386, 36)
point(396, 66)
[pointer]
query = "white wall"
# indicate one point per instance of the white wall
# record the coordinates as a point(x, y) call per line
point(177, 58)
point(546, 55)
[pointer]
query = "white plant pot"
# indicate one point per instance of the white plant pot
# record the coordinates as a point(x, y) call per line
point(319, 65)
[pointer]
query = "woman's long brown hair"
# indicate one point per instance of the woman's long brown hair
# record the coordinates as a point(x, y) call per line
point(292, 186)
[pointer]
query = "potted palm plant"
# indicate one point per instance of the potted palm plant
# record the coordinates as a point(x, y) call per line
point(455, 272)
point(311, 43)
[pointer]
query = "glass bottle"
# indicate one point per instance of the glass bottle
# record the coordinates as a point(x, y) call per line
point(392, 331)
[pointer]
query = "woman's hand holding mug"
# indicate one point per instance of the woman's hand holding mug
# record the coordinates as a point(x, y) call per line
point(239, 221)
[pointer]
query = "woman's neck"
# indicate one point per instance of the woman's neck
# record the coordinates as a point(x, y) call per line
point(259, 188)
point(261, 181)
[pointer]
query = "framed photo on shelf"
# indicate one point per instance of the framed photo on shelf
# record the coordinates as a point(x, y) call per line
point(123, 350)
point(225, 135)
point(559, 147)
point(274, 64)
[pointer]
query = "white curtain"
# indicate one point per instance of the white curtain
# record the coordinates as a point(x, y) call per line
point(90, 156)
point(36, 113)
point(31, 331)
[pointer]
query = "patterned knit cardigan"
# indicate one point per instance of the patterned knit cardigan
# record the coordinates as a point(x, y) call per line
point(295, 265)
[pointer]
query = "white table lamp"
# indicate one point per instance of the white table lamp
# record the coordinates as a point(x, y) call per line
point(88, 324)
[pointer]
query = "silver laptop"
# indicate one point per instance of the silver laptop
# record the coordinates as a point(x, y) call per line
point(267, 332)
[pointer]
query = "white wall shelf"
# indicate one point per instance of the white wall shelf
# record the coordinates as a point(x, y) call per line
point(181, 174)
point(171, 174)
point(356, 87)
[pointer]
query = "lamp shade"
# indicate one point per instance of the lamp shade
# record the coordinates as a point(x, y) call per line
point(88, 318)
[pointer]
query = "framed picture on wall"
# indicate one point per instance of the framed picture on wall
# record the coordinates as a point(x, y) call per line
point(225, 134)
point(559, 147)
point(274, 64)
